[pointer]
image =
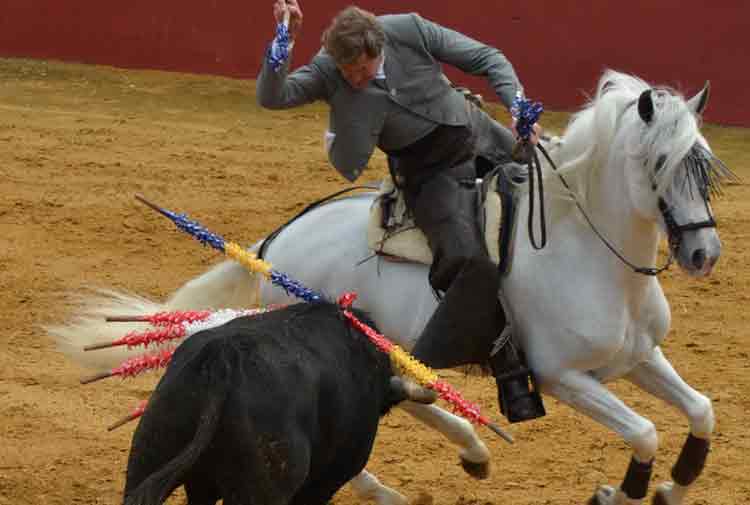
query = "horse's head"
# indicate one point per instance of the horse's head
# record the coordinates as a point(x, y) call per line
point(672, 174)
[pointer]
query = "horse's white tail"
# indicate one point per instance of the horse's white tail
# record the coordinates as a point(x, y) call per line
point(227, 285)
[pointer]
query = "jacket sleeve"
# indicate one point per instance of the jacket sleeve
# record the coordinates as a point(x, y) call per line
point(282, 90)
point(355, 129)
point(471, 56)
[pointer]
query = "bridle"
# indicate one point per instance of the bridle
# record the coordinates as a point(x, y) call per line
point(674, 230)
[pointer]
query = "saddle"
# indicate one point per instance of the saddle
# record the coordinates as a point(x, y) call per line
point(392, 234)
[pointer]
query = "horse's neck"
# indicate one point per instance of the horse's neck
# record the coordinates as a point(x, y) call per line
point(608, 205)
point(610, 208)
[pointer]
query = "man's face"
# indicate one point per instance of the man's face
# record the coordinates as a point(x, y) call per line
point(360, 72)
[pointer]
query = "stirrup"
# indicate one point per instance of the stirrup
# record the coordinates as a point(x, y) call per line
point(519, 400)
point(518, 396)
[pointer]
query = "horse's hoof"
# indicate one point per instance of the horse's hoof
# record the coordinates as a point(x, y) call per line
point(668, 493)
point(605, 495)
point(479, 471)
point(389, 497)
point(659, 498)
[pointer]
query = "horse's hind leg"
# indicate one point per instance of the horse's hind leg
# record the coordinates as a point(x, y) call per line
point(475, 457)
point(657, 377)
point(586, 395)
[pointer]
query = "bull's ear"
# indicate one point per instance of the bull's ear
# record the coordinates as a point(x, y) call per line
point(646, 106)
point(698, 103)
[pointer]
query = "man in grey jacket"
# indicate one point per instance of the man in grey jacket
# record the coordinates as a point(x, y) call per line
point(383, 80)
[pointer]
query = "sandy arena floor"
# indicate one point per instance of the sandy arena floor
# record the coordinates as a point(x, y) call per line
point(77, 142)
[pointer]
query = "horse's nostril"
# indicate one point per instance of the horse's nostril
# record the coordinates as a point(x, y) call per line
point(699, 258)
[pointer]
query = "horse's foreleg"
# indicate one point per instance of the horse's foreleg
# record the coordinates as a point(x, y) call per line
point(367, 487)
point(588, 396)
point(475, 457)
point(658, 377)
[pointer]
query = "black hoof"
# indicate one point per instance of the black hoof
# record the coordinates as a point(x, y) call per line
point(659, 498)
point(594, 500)
point(479, 471)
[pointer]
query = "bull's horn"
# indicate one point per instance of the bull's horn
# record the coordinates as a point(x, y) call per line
point(412, 391)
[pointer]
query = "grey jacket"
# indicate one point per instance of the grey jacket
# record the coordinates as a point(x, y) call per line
point(414, 51)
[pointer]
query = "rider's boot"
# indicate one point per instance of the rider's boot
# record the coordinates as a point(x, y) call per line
point(518, 398)
point(462, 331)
point(466, 321)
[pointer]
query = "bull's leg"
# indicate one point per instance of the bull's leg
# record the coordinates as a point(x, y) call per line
point(201, 493)
point(588, 396)
point(475, 457)
point(320, 491)
point(658, 377)
point(367, 487)
point(261, 464)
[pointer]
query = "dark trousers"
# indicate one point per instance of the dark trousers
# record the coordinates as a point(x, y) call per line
point(437, 175)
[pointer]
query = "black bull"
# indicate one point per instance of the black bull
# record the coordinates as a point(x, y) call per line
point(280, 408)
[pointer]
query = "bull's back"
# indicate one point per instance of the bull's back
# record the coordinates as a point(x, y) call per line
point(306, 364)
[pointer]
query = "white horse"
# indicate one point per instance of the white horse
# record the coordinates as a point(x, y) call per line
point(640, 169)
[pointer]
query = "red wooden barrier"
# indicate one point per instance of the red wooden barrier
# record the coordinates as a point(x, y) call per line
point(558, 48)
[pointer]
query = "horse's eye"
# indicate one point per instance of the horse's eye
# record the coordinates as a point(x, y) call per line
point(660, 162)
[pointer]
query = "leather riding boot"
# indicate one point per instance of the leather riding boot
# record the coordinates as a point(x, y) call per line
point(466, 321)
point(518, 399)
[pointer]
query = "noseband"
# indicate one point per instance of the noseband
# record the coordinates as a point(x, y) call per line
point(675, 231)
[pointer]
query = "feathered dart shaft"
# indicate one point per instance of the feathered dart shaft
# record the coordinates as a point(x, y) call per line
point(236, 252)
point(136, 338)
point(163, 318)
point(135, 366)
point(135, 414)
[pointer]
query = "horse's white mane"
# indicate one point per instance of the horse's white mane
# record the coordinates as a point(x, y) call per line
point(588, 143)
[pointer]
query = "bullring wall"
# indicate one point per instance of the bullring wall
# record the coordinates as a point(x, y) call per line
point(559, 48)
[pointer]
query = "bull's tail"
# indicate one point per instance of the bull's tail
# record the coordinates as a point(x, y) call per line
point(155, 489)
point(227, 285)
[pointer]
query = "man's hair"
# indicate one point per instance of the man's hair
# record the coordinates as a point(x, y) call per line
point(353, 32)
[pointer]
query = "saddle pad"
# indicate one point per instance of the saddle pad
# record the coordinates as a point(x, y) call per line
point(401, 238)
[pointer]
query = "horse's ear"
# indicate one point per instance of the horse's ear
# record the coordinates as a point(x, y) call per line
point(646, 106)
point(698, 103)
